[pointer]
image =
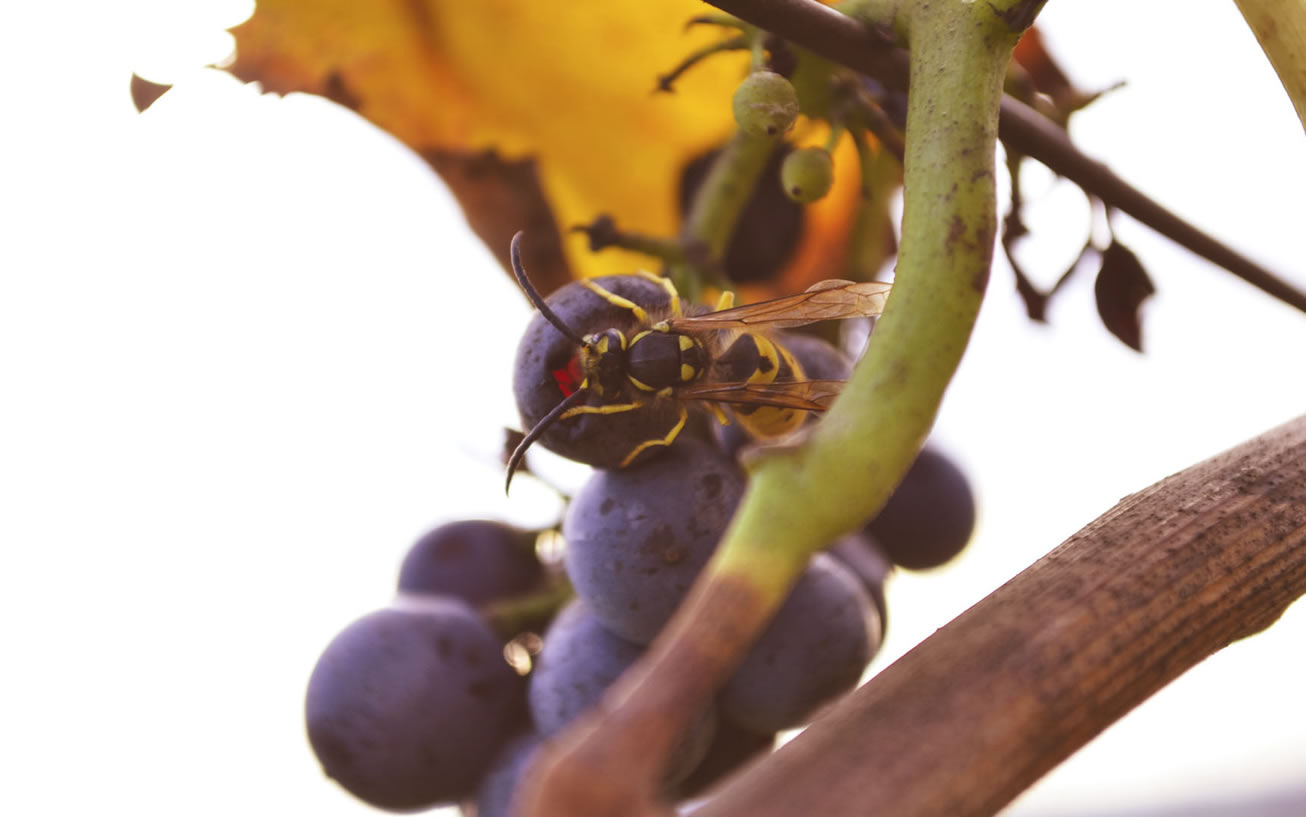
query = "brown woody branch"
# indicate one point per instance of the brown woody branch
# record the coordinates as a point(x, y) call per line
point(839, 37)
point(984, 707)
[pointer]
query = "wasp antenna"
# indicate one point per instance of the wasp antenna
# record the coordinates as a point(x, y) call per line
point(542, 426)
point(519, 272)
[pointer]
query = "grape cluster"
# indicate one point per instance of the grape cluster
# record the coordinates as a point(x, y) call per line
point(408, 706)
point(416, 705)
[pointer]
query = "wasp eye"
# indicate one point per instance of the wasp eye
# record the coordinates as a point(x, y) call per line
point(569, 377)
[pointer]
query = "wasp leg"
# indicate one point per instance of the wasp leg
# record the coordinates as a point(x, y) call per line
point(719, 413)
point(616, 300)
point(667, 440)
point(665, 283)
point(611, 408)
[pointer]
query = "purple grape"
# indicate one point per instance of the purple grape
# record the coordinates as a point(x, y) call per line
point(820, 359)
point(930, 517)
point(732, 746)
point(770, 228)
point(474, 560)
point(407, 707)
point(546, 372)
point(580, 660)
point(861, 554)
point(495, 796)
point(638, 537)
point(814, 650)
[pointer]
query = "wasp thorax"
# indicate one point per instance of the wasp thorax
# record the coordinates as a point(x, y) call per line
point(602, 359)
point(657, 360)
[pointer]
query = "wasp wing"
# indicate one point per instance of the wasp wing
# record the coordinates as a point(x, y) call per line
point(823, 301)
point(808, 395)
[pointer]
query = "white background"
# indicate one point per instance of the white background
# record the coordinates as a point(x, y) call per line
point(248, 351)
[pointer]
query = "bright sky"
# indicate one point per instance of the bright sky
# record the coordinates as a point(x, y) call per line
point(249, 351)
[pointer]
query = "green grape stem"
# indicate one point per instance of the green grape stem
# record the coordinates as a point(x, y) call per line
point(717, 206)
point(803, 498)
point(530, 611)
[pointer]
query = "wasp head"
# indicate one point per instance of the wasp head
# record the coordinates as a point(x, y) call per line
point(603, 360)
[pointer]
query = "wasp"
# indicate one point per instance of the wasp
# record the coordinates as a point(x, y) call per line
point(723, 358)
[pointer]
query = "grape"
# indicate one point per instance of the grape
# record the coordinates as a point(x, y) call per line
point(769, 229)
point(930, 517)
point(637, 538)
point(814, 650)
point(407, 707)
point(765, 104)
point(807, 174)
point(475, 560)
point(495, 796)
point(820, 360)
point(732, 746)
point(579, 661)
point(861, 554)
point(545, 373)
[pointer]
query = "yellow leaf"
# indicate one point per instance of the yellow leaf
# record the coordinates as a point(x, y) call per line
point(535, 113)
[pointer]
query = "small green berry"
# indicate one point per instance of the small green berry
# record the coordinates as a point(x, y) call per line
point(807, 174)
point(765, 104)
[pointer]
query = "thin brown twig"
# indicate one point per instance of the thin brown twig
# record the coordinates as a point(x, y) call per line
point(839, 37)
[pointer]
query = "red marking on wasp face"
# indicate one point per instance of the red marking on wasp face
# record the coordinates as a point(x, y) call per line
point(569, 378)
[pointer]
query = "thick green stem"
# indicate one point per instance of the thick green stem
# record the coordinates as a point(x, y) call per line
point(717, 207)
point(803, 499)
point(800, 500)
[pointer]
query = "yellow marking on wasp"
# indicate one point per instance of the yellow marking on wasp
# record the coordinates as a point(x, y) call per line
point(721, 416)
point(795, 367)
point(772, 421)
point(687, 372)
point(766, 351)
point(686, 343)
point(640, 335)
point(611, 408)
point(726, 300)
point(667, 440)
point(615, 299)
point(603, 345)
point(639, 384)
point(665, 283)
